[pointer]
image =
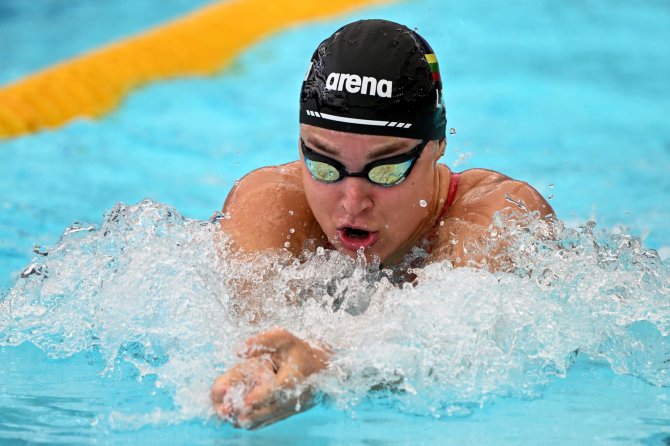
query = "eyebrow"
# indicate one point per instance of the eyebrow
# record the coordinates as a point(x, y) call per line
point(371, 156)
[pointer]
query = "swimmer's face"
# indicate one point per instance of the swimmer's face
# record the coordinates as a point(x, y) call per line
point(355, 213)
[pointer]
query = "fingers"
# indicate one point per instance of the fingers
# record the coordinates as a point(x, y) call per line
point(230, 390)
point(268, 342)
point(268, 414)
point(220, 390)
point(283, 405)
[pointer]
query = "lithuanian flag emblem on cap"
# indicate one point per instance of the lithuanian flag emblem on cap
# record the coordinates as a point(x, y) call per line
point(434, 68)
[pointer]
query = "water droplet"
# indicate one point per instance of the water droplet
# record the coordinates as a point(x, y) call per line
point(626, 213)
point(320, 250)
point(290, 212)
point(292, 230)
point(287, 245)
point(551, 185)
point(423, 203)
point(441, 222)
point(227, 215)
point(452, 131)
point(34, 268)
point(550, 196)
point(237, 182)
point(40, 250)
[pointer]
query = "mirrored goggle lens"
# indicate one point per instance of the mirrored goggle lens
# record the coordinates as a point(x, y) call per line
point(389, 174)
point(322, 171)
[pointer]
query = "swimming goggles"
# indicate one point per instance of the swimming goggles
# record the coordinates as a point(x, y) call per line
point(384, 172)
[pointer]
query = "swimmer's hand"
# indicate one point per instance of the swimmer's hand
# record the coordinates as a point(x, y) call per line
point(268, 384)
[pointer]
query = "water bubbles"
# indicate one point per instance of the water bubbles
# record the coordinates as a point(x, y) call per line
point(452, 131)
point(290, 212)
point(287, 245)
point(161, 294)
point(78, 227)
point(292, 230)
point(551, 185)
point(550, 196)
point(237, 182)
point(423, 203)
point(462, 158)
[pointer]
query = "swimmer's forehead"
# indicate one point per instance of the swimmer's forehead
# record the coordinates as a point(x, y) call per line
point(335, 143)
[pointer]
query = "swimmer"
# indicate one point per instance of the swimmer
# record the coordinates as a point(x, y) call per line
point(368, 182)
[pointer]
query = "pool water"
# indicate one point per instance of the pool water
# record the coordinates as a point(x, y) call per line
point(116, 334)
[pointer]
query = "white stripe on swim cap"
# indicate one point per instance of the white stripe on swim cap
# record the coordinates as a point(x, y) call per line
point(353, 120)
point(357, 120)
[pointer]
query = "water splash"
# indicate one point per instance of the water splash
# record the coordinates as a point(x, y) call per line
point(154, 291)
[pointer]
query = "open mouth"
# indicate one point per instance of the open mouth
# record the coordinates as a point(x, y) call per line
point(355, 238)
point(356, 233)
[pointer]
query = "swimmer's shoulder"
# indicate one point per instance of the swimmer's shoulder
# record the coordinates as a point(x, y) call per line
point(482, 192)
point(285, 177)
point(480, 195)
point(267, 208)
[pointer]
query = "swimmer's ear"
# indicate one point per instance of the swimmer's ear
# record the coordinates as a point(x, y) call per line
point(442, 144)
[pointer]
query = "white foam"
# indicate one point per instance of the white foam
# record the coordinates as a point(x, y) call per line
point(153, 289)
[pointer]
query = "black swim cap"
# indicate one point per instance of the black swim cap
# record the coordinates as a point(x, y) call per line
point(375, 77)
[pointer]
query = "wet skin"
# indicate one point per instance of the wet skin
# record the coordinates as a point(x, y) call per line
point(275, 205)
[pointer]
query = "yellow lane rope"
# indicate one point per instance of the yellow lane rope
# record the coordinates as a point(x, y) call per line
point(197, 44)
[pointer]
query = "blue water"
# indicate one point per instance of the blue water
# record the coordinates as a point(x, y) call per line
point(570, 97)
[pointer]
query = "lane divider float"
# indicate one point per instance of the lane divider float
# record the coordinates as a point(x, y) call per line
point(199, 43)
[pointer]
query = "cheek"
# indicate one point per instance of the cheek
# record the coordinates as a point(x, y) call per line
point(403, 208)
point(405, 200)
point(320, 197)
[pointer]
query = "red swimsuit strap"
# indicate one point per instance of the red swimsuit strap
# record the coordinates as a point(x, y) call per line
point(451, 195)
point(453, 187)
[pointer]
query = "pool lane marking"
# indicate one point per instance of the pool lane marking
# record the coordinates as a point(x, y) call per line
point(199, 43)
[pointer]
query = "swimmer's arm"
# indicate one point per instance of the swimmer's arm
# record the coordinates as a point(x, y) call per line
point(267, 212)
point(466, 238)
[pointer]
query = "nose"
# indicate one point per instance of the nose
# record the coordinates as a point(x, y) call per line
point(356, 196)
